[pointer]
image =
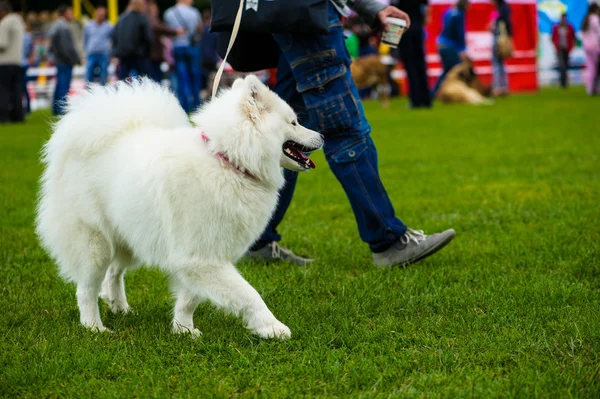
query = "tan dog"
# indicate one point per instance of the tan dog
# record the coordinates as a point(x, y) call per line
point(368, 71)
point(461, 85)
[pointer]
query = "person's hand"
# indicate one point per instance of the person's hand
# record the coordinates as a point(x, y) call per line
point(391, 11)
point(180, 31)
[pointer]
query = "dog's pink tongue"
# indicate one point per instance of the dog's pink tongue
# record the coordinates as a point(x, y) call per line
point(311, 164)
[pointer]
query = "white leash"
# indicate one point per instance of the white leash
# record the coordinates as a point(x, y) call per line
point(234, 32)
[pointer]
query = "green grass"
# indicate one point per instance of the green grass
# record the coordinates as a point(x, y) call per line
point(510, 309)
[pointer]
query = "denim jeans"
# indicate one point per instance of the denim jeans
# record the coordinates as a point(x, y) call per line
point(64, 74)
point(127, 65)
point(94, 61)
point(450, 59)
point(314, 78)
point(189, 76)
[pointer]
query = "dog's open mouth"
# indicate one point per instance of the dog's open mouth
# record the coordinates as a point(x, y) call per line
point(296, 151)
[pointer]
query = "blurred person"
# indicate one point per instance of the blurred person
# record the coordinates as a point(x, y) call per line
point(412, 52)
point(208, 49)
point(28, 47)
point(563, 38)
point(500, 25)
point(591, 45)
point(12, 32)
point(186, 48)
point(62, 46)
point(132, 41)
point(159, 32)
point(313, 76)
point(96, 42)
point(452, 45)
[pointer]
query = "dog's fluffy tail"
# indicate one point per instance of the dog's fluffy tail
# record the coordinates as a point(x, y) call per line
point(102, 113)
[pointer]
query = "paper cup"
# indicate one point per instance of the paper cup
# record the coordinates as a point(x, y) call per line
point(394, 34)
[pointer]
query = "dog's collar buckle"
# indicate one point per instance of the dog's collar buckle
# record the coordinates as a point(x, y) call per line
point(225, 159)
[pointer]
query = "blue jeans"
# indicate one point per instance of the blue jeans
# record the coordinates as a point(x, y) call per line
point(64, 74)
point(450, 59)
point(94, 61)
point(127, 65)
point(314, 77)
point(499, 77)
point(189, 76)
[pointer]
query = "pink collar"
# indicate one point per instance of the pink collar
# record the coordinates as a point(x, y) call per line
point(227, 160)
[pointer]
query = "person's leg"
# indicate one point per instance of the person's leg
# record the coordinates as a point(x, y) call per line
point(407, 50)
point(25, 91)
point(195, 67)
point(156, 73)
point(90, 66)
point(16, 92)
point(4, 93)
point(320, 65)
point(562, 68)
point(61, 91)
point(421, 65)
point(450, 59)
point(103, 62)
point(183, 78)
point(124, 68)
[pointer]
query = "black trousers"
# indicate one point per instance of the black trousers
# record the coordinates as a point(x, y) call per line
point(412, 54)
point(11, 94)
point(563, 67)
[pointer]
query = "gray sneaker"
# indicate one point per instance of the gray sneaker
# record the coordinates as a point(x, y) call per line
point(274, 252)
point(413, 247)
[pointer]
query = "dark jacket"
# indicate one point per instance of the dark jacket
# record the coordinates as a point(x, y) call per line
point(503, 16)
point(132, 37)
point(158, 31)
point(62, 45)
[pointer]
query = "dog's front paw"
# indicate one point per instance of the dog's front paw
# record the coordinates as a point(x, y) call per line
point(179, 329)
point(273, 330)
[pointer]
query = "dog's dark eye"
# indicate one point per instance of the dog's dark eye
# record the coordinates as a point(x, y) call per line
point(294, 123)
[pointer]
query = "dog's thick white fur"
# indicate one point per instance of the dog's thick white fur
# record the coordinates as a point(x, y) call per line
point(129, 180)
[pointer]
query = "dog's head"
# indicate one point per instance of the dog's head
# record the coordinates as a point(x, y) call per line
point(257, 130)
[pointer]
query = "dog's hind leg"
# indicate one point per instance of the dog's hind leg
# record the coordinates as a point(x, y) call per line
point(113, 286)
point(183, 314)
point(224, 286)
point(94, 253)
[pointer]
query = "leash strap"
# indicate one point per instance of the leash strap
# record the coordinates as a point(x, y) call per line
point(234, 32)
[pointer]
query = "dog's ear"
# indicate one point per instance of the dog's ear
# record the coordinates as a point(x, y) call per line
point(255, 92)
point(239, 82)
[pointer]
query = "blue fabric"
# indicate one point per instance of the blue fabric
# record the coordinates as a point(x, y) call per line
point(450, 59)
point(64, 74)
point(453, 31)
point(96, 38)
point(314, 78)
point(94, 61)
point(133, 66)
point(27, 108)
point(155, 72)
point(27, 48)
point(189, 76)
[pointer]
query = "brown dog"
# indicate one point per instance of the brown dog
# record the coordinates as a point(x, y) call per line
point(369, 72)
point(461, 85)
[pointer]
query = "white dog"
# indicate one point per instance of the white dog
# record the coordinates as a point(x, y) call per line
point(129, 180)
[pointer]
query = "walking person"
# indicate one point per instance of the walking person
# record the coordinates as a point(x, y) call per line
point(591, 45)
point(412, 53)
point(132, 41)
point(452, 45)
point(12, 31)
point(501, 30)
point(313, 76)
point(186, 50)
point(159, 32)
point(62, 46)
point(97, 35)
point(563, 38)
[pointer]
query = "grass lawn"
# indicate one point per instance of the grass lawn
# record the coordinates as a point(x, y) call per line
point(510, 309)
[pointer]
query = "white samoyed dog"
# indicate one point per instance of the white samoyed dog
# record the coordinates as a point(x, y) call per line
point(128, 180)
